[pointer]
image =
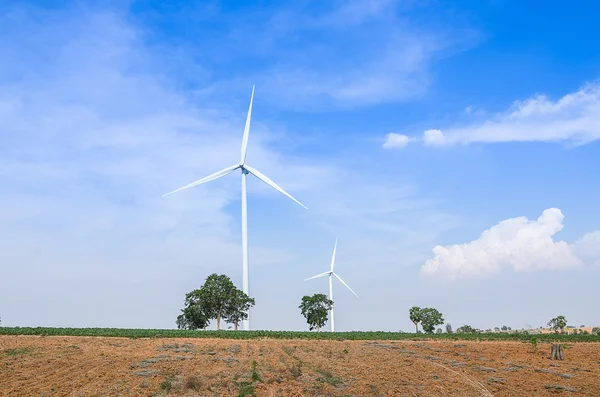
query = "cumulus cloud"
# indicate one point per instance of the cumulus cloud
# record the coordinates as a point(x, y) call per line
point(396, 141)
point(588, 248)
point(517, 243)
point(574, 118)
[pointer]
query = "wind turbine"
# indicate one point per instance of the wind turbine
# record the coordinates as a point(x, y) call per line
point(246, 169)
point(332, 273)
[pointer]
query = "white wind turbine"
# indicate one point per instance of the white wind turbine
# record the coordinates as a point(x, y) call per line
point(246, 169)
point(332, 273)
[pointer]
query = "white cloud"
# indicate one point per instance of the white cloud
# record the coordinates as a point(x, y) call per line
point(574, 118)
point(434, 138)
point(516, 243)
point(588, 248)
point(396, 141)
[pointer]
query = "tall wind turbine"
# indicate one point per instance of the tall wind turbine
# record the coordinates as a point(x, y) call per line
point(246, 169)
point(332, 273)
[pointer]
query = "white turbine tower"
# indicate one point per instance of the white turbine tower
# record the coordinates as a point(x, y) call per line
point(332, 273)
point(246, 169)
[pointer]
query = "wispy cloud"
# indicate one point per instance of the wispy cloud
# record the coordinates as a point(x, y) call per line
point(516, 243)
point(93, 131)
point(353, 53)
point(573, 119)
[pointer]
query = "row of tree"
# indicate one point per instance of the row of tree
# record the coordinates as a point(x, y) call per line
point(429, 318)
point(218, 299)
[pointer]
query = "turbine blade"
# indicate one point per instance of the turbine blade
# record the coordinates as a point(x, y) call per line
point(209, 178)
point(347, 286)
point(317, 276)
point(269, 182)
point(247, 130)
point(333, 257)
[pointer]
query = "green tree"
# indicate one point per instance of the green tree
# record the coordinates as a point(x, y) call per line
point(467, 329)
point(430, 318)
point(195, 314)
point(415, 316)
point(449, 328)
point(217, 292)
point(314, 309)
point(558, 323)
point(237, 307)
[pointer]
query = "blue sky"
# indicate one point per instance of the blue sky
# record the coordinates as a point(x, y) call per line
point(452, 147)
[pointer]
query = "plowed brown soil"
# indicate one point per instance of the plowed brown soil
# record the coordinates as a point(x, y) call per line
point(96, 366)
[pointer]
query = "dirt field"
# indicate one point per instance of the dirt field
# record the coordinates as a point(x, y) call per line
point(96, 366)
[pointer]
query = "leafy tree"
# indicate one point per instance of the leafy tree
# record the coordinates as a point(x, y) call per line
point(195, 314)
point(496, 329)
point(430, 318)
point(504, 328)
point(314, 309)
point(596, 331)
point(217, 299)
point(415, 316)
point(438, 331)
point(449, 328)
point(237, 307)
point(467, 329)
point(217, 292)
point(558, 323)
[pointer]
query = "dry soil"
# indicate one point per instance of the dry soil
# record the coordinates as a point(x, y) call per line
point(97, 366)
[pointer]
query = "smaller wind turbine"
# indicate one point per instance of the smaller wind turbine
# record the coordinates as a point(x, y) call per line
point(332, 273)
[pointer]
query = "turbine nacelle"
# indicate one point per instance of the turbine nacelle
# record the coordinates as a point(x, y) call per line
point(246, 169)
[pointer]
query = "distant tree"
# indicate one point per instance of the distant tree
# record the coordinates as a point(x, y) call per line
point(596, 331)
point(558, 323)
point(195, 314)
point(504, 328)
point(237, 307)
point(449, 328)
point(496, 329)
point(430, 318)
point(415, 316)
point(509, 328)
point(467, 329)
point(438, 331)
point(314, 309)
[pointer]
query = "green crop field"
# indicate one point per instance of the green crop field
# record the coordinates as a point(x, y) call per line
point(371, 335)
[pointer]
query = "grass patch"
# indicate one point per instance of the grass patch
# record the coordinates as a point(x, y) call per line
point(166, 385)
point(255, 375)
point(247, 390)
point(327, 377)
point(16, 352)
